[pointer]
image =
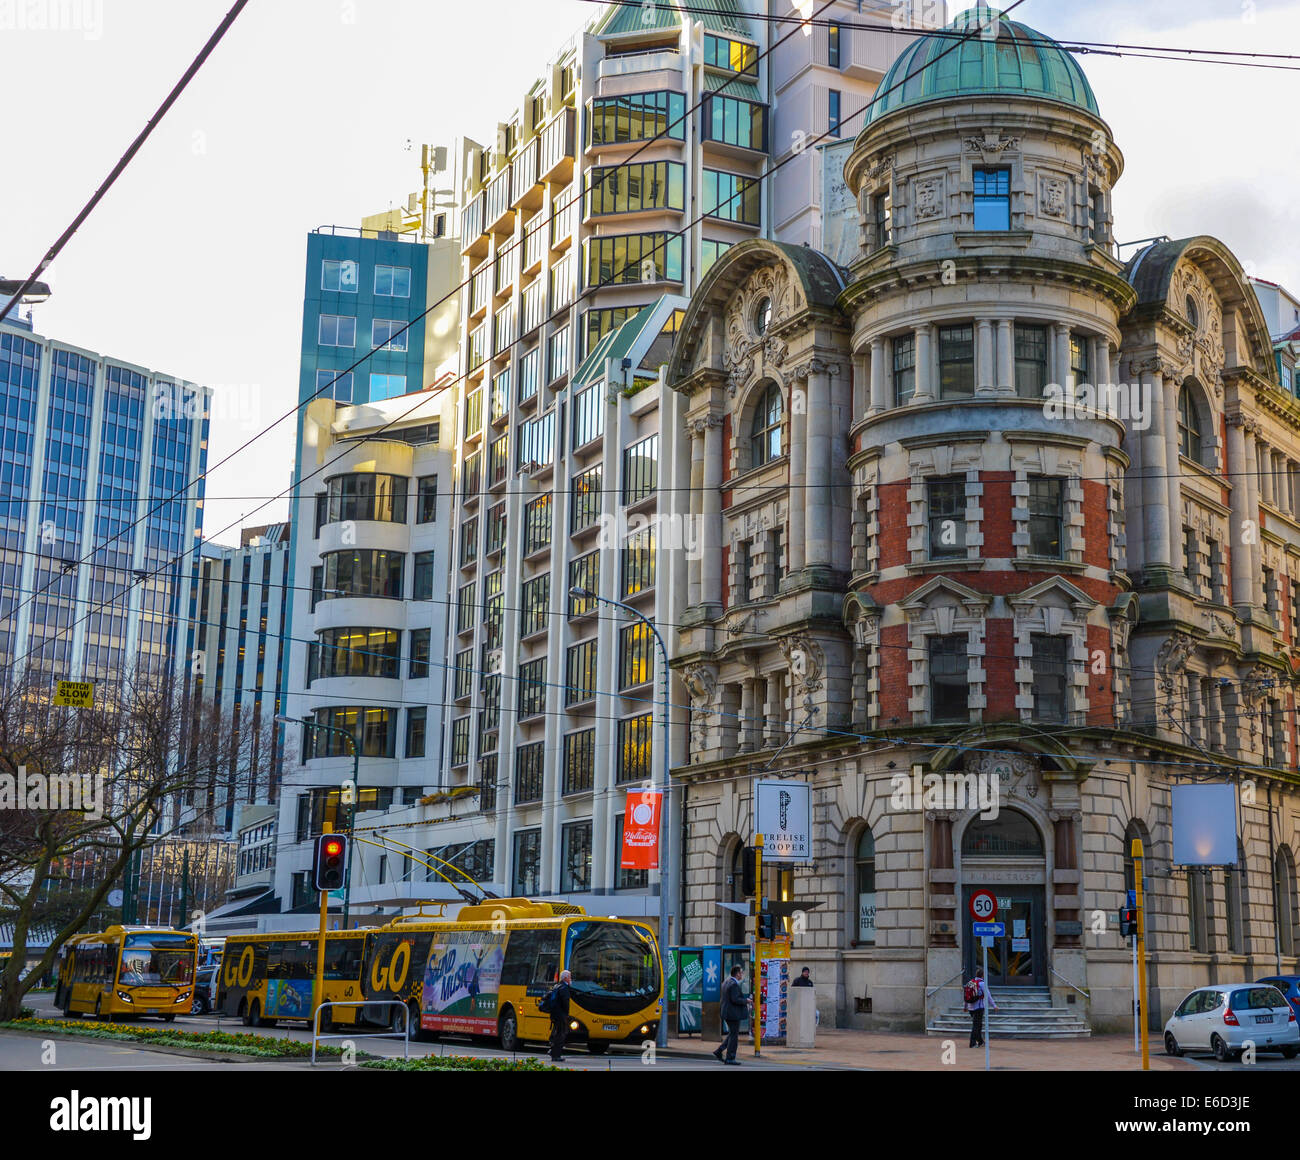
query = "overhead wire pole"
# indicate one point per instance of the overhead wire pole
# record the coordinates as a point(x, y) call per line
point(126, 158)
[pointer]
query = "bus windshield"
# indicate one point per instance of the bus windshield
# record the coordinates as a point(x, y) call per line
point(156, 959)
point(613, 965)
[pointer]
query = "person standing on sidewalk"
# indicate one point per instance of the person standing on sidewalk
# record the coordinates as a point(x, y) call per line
point(558, 1009)
point(734, 1010)
point(976, 995)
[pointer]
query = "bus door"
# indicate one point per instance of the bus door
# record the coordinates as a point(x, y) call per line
point(536, 962)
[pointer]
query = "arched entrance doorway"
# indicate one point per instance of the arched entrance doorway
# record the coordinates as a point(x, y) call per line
point(1005, 855)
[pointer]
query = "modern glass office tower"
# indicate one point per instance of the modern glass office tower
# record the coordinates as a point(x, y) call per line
point(99, 528)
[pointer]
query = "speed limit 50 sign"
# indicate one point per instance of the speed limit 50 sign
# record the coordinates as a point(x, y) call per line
point(983, 906)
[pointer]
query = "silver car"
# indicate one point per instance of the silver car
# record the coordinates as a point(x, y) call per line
point(1228, 1017)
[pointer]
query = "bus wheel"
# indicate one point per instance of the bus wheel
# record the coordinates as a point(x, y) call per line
point(99, 1009)
point(510, 1040)
point(169, 1018)
point(418, 1033)
point(252, 1015)
point(597, 1046)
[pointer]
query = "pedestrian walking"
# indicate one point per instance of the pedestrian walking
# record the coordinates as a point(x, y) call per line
point(976, 994)
point(557, 1007)
point(734, 1010)
point(804, 979)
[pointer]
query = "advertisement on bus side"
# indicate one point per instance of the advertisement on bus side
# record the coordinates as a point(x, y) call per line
point(461, 981)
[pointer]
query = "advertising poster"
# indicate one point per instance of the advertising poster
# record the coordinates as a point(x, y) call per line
point(772, 982)
point(461, 981)
point(784, 818)
point(289, 998)
point(670, 974)
point(712, 974)
point(641, 830)
point(691, 991)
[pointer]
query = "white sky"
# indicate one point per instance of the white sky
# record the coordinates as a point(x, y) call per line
point(192, 265)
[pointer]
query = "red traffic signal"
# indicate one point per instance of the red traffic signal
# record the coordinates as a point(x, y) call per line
point(329, 865)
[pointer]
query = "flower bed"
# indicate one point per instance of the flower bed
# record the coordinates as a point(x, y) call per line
point(458, 1063)
point(264, 1046)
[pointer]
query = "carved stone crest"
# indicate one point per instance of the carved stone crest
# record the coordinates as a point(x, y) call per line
point(928, 193)
point(1053, 196)
point(1172, 658)
point(1016, 773)
point(807, 662)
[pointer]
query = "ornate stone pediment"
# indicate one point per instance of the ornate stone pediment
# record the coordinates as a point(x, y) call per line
point(1018, 774)
point(1172, 658)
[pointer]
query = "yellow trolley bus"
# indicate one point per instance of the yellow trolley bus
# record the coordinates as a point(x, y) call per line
point(128, 971)
point(269, 977)
point(487, 969)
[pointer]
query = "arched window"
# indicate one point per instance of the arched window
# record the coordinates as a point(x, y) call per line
point(765, 431)
point(864, 886)
point(1284, 869)
point(1009, 834)
point(1189, 425)
point(735, 923)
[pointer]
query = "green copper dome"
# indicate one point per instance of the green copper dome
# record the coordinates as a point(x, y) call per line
point(1017, 62)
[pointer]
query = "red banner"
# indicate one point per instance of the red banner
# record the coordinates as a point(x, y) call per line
point(641, 830)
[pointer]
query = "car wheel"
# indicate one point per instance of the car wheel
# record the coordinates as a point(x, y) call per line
point(510, 1040)
point(1171, 1044)
point(1221, 1051)
point(1290, 1052)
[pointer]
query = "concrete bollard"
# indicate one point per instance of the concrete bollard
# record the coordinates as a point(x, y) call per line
point(801, 1017)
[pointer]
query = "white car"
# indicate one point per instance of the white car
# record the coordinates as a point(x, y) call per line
point(1227, 1017)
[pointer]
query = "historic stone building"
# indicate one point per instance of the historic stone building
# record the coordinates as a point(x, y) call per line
point(933, 545)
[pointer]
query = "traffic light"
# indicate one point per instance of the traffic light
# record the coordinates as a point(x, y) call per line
point(769, 926)
point(331, 858)
point(749, 871)
point(1128, 921)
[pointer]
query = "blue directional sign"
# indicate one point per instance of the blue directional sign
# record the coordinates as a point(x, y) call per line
point(988, 929)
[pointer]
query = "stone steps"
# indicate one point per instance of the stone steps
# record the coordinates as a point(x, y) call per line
point(1025, 1013)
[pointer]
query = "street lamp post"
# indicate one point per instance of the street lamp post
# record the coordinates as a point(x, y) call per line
point(665, 861)
point(308, 723)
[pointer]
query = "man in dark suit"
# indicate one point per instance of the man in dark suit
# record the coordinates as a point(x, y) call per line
point(734, 1010)
point(560, 1015)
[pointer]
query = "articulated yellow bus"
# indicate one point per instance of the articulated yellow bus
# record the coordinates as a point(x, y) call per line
point(481, 974)
point(128, 971)
point(269, 977)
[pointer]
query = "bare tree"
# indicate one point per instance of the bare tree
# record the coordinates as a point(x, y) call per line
point(98, 783)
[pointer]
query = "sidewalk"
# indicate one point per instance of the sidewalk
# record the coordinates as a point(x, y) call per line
point(914, 1051)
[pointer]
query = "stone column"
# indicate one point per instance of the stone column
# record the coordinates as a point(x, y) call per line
point(925, 385)
point(818, 552)
point(1061, 353)
point(693, 565)
point(1264, 460)
point(774, 712)
point(1256, 549)
point(798, 471)
point(1240, 462)
point(860, 397)
point(711, 510)
point(750, 720)
point(1006, 357)
point(1156, 515)
point(985, 380)
point(1174, 476)
point(879, 379)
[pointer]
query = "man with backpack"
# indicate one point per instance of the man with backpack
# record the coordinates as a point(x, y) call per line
point(734, 1010)
point(976, 995)
point(555, 1003)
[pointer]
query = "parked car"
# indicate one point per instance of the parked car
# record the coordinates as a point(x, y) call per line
point(205, 990)
point(1226, 1017)
point(1289, 985)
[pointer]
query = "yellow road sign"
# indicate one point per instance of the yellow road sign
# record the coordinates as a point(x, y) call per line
point(75, 694)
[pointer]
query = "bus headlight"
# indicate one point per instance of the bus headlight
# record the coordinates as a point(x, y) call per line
point(182, 996)
point(645, 1028)
point(125, 997)
point(573, 1025)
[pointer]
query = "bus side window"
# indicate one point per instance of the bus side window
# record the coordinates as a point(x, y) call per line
point(547, 964)
point(275, 960)
point(521, 950)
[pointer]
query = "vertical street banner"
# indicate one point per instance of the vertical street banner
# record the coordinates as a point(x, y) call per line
point(641, 830)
